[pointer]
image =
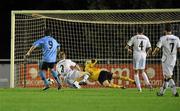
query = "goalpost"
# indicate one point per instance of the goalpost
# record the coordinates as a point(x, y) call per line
point(86, 34)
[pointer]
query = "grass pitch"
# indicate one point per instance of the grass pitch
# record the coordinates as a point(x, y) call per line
point(103, 99)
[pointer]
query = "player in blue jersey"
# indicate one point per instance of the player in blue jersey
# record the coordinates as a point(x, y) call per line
point(50, 47)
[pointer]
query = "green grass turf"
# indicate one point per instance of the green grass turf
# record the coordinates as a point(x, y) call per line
point(102, 99)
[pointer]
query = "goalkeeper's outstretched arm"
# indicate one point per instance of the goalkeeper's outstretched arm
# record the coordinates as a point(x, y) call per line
point(93, 62)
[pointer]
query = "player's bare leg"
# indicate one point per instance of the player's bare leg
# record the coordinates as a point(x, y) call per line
point(42, 73)
point(168, 81)
point(137, 81)
point(173, 87)
point(117, 86)
point(163, 88)
point(126, 78)
point(146, 80)
point(55, 75)
point(106, 83)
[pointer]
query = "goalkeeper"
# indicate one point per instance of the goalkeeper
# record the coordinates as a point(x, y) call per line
point(102, 76)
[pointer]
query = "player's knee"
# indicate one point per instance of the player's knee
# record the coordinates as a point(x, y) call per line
point(54, 73)
point(42, 75)
point(52, 70)
point(167, 78)
point(43, 78)
point(173, 85)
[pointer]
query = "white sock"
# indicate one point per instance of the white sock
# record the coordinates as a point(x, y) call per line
point(77, 85)
point(164, 87)
point(136, 78)
point(173, 86)
point(146, 80)
point(85, 77)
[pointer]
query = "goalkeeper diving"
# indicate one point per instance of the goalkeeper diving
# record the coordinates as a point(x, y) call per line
point(103, 77)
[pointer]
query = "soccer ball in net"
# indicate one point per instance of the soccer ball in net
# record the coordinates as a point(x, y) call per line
point(51, 81)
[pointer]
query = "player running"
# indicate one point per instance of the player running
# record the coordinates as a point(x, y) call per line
point(71, 71)
point(170, 44)
point(102, 76)
point(140, 44)
point(50, 47)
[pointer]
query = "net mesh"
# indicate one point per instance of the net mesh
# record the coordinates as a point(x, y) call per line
point(100, 35)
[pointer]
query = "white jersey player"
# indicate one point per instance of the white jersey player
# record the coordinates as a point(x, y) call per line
point(70, 71)
point(170, 44)
point(140, 44)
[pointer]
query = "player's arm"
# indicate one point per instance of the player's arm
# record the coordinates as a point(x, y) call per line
point(59, 53)
point(178, 46)
point(149, 50)
point(129, 49)
point(158, 47)
point(30, 51)
point(129, 45)
point(59, 50)
point(156, 50)
point(93, 62)
point(76, 67)
point(35, 44)
point(88, 68)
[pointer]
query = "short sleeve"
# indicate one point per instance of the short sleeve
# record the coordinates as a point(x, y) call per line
point(159, 44)
point(178, 43)
point(130, 42)
point(72, 63)
point(38, 43)
point(148, 44)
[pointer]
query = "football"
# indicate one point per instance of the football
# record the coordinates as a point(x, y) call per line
point(51, 81)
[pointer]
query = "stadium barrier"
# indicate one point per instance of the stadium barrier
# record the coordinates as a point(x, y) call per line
point(29, 75)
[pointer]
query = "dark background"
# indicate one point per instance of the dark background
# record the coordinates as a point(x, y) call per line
point(8, 5)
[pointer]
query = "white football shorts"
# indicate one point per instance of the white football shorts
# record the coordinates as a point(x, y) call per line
point(139, 61)
point(72, 77)
point(168, 66)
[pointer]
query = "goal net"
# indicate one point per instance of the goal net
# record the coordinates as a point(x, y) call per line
point(87, 34)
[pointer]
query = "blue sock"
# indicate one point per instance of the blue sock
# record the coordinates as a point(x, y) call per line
point(43, 77)
point(55, 75)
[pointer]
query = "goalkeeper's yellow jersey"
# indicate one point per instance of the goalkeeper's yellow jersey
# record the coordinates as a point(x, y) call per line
point(94, 71)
